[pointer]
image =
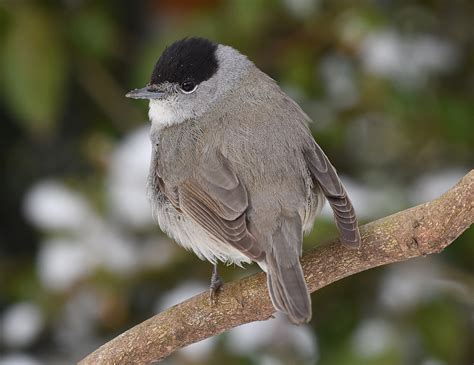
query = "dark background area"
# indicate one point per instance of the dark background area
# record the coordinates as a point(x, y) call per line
point(390, 87)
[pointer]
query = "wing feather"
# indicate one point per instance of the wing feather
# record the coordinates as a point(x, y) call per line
point(325, 175)
point(217, 200)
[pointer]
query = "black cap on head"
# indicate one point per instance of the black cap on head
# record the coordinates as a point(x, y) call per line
point(188, 59)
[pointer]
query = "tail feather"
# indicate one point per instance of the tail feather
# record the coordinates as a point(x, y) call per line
point(288, 291)
point(285, 279)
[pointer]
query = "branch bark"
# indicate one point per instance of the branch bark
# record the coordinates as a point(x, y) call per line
point(418, 231)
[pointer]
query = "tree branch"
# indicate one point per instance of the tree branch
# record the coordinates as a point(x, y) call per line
point(419, 231)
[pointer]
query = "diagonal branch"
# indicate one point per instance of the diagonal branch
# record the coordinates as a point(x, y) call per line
point(422, 230)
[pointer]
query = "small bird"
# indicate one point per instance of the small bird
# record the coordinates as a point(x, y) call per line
point(235, 173)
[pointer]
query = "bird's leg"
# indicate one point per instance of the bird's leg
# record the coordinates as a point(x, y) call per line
point(216, 283)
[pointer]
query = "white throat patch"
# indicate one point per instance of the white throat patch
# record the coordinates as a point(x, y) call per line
point(161, 114)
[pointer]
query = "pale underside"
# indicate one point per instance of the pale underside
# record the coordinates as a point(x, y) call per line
point(190, 235)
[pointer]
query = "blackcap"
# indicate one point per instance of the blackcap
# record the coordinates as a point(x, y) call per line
point(235, 173)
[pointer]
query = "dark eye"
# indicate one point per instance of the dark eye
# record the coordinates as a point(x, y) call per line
point(188, 86)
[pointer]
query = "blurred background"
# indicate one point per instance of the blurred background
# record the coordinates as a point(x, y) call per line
point(390, 87)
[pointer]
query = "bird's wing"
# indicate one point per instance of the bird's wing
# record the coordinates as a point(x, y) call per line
point(325, 175)
point(217, 200)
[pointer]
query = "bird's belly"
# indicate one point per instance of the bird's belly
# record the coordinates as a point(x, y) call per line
point(193, 237)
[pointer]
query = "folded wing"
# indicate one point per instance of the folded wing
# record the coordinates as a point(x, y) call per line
point(216, 199)
point(325, 175)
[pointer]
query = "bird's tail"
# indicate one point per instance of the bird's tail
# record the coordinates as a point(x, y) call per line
point(285, 279)
point(288, 291)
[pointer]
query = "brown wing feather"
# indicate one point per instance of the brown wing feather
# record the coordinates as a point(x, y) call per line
point(325, 175)
point(170, 193)
point(217, 200)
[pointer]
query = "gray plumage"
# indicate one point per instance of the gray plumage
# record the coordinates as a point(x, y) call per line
point(236, 175)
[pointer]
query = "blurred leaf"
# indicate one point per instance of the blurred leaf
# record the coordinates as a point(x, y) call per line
point(35, 67)
point(296, 67)
point(251, 18)
point(462, 252)
point(3, 20)
point(93, 33)
point(456, 116)
point(146, 58)
point(443, 329)
point(344, 354)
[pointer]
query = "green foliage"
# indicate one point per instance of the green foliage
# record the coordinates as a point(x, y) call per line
point(35, 68)
point(443, 330)
point(93, 33)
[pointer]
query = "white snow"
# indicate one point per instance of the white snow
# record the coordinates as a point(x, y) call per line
point(50, 205)
point(373, 337)
point(21, 324)
point(408, 60)
point(62, 262)
point(126, 183)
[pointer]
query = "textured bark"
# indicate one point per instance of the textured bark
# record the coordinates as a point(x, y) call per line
point(419, 231)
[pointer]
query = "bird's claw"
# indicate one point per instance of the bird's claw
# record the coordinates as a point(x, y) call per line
point(214, 289)
point(216, 284)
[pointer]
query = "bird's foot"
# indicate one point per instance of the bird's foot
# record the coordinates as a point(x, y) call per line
point(216, 283)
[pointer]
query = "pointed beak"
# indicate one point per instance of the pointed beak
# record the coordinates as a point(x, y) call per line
point(147, 92)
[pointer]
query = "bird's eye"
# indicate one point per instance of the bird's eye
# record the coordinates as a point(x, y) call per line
point(188, 87)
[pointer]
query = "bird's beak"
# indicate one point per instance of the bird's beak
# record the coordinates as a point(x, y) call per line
point(147, 92)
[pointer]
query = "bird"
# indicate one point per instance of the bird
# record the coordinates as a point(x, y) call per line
point(235, 173)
